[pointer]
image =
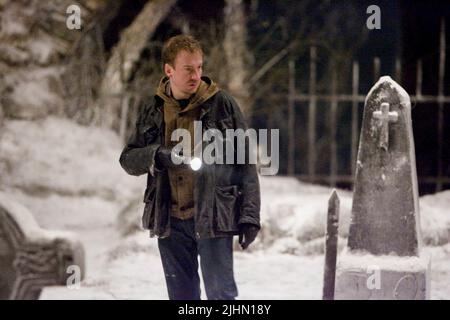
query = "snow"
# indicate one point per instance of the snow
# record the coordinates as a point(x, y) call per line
point(28, 225)
point(54, 155)
point(360, 260)
point(43, 48)
point(35, 91)
point(435, 218)
point(11, 22)
point(69, 177)
point(403, 95)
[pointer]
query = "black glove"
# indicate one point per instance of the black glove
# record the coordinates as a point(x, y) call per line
point(163, 158)
point(247, 234)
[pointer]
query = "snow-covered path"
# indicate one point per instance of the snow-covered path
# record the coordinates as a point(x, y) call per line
point(133, 271)
point(129, 267)
point(259, 275)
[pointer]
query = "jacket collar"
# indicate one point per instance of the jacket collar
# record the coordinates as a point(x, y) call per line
point(206, 90)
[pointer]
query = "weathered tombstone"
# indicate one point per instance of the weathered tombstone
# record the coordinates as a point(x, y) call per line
point(32, 258)
point(331, 245)
point(383, 257)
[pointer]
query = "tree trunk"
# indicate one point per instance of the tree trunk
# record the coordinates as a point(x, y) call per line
point(237, 54)
point(125, 55)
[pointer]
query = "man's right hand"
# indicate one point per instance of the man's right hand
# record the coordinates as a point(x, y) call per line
point(164, 158)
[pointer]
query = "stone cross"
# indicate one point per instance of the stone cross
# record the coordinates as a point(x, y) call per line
point(32, 258)
point(384, 117)
point(384, 231)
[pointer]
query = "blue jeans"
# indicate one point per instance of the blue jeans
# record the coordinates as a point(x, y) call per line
point(179, 254)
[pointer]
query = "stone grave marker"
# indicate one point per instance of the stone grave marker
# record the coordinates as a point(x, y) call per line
point(383, 257)
point(32, 258)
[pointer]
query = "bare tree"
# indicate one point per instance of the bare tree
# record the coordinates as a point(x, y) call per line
point(124, 57)
point(237, 53)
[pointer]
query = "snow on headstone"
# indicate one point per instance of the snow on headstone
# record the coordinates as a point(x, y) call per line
point(32, 258)
point(384, 236)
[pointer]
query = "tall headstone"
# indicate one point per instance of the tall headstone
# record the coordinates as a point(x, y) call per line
point(383, 257)
point(32, 258)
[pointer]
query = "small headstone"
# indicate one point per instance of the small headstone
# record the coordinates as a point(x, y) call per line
point(384, 237)
point(32, 258)
point(331, 245)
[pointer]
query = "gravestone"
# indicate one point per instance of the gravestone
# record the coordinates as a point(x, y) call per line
point(383, 258)
point(331, 245)
point(32, 258)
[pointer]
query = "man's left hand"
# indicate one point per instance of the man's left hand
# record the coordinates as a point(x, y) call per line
point(247, 234)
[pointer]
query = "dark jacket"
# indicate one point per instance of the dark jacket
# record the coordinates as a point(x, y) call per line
point(182, 179)
point(225, 195)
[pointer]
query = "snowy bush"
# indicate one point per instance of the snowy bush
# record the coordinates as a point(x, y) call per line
point(56, 155)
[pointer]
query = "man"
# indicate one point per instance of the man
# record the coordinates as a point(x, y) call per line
point(192, 212)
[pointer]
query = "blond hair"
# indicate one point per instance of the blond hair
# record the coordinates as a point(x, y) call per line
point(176, 44)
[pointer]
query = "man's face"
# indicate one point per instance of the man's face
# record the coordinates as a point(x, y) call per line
point(185, 74)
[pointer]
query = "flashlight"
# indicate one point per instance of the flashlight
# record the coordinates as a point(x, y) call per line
point(195, 164)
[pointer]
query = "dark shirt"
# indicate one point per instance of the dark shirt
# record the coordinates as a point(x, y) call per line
point(183, 103)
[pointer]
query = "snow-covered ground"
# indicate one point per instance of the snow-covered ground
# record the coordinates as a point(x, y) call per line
point(69, 177)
